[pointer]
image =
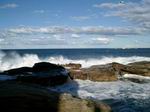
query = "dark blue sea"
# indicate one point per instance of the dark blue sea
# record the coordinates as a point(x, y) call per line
point(123, 96)
point(83, 53)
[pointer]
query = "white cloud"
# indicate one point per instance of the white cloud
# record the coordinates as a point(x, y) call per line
point(102, 40)
point(90, 30)
point(75, 35)
point(39, 11)
point(11, 5)
point(109, 5)
point(58, 37)
point(135, 12)
point(1, 40)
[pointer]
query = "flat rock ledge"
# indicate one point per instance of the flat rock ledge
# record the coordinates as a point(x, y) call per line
point(110, 72)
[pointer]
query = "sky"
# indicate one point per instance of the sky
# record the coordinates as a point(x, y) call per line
point(29, 24)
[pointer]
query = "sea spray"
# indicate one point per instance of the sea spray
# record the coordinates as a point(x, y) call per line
point(14, 60)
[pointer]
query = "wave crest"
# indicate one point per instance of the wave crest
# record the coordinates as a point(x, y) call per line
point(14, 60)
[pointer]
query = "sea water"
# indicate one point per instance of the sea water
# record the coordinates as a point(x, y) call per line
point(87, 57)
point(122, 96)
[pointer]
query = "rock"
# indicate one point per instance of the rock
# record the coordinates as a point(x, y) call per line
point(111, 71)
point(16, 97)
point(46, 74)
point(44, 81)
point(43, 73)
point(45, 67)
point(78, 74)
point(73, 66)
point(18, 71)
point(95, 73)
point(141, 64)
point(101, 73)
point(139, 68)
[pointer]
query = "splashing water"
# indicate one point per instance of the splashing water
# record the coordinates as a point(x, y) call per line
point(14, 60)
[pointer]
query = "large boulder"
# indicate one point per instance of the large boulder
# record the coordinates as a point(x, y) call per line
point(141, 64)
point(73, 66)
point(45, 67)
point(101, 73)
point(43, 73)
point(139, 68)
point(47, 74)
point(16, 97)
point(111, 72)
point(19, 71)
point(95, 73)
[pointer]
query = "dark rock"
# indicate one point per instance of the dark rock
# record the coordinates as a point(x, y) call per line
point(18, 71)
point(45, 67)
point(47, 74)
point(16, 97)
point(44, 81)
point(43, 73)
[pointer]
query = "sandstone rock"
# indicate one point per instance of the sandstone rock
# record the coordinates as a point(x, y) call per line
point(16, 97)
point(141, 64)
point(73, 66)
point(139, 68)
point(95, 73)
point(101, 73)
point(78, 74)
point(111, 71)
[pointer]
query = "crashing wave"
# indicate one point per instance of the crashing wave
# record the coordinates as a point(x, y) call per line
point(14, 60)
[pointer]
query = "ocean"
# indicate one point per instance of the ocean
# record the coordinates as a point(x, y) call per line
point(123, 96)
point(87, 57)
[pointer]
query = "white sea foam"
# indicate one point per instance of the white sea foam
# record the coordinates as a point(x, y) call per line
point(14, 60)
point(134, 76)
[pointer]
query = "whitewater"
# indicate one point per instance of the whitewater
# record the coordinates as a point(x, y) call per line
point(14, 60)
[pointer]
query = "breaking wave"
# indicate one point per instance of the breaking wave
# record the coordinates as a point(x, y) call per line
point(14, 60)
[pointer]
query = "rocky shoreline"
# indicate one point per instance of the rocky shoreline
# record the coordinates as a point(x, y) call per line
point(26, 88)
point(111, 72)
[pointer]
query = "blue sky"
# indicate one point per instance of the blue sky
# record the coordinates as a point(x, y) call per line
point(74, 24)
